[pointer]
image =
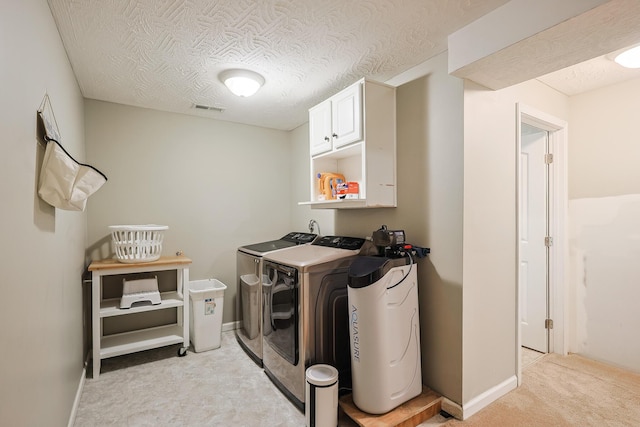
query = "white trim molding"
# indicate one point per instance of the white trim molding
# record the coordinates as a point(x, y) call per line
point(230, 326)
point(452, 408)
point(481, 401)
point(76, 401)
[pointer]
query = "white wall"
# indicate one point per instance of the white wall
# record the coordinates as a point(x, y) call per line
point(489, 291)
point(604, 188)
point(604, 274)
point(42, 250)
point(217, 185)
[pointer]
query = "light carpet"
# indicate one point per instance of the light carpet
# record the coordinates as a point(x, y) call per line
point(564, 391)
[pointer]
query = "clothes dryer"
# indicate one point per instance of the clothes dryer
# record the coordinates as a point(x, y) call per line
point(249, 300)
point(306, 316)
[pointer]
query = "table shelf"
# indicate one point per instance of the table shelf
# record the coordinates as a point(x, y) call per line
point(111, 307)
point(144, 339)
point(105, 346)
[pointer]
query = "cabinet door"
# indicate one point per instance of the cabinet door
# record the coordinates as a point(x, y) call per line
point(347, 116)
point(320, 128)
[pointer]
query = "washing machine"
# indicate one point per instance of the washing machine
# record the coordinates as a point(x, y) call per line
point(249, 300)
point(306, 315)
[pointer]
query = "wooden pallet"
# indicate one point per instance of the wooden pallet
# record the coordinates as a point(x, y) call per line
point(409, 414)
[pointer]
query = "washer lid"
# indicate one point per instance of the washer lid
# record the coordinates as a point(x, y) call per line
point(291, 239)
point(304, 256)
point(322, 375)
point(265, 247)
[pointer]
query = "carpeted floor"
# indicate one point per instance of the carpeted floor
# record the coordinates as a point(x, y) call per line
point(563, 391)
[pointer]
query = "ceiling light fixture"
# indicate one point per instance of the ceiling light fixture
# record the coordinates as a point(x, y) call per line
point(242, 82)
point(629, 58)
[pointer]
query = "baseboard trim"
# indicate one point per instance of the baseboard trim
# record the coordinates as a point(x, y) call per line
point(230, 326)
point(76, 401)
point(481, 401)
point(452, 408)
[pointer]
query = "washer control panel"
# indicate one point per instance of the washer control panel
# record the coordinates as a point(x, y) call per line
point(299, 238)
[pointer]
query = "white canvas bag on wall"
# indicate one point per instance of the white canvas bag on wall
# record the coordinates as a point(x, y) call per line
point(64, 182)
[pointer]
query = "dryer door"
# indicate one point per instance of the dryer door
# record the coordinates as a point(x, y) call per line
point(281, 310)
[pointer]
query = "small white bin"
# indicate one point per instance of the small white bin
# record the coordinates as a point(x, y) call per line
point(249, 286)
point(205, 314)
point(321, 396)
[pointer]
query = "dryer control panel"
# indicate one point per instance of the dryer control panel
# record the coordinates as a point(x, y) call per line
point(340, 242)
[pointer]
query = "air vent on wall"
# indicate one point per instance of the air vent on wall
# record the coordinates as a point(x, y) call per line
point(208, 108)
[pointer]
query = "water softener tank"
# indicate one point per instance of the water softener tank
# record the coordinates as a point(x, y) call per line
point(384, 331)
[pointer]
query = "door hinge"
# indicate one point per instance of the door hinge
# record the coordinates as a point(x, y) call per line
point(548, 241)
point(548, 323)
point(548, 159)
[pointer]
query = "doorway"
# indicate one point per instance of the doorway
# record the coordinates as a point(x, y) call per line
point(534, 237)
point(541, 219)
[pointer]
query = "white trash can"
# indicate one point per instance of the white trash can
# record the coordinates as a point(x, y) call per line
point(205, 313)
point(321, 396)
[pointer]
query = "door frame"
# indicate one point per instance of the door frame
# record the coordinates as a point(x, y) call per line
point(558, 256)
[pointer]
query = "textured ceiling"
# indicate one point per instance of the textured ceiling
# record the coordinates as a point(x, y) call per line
point(589, 40)
point(167, 54)
point(589, 75)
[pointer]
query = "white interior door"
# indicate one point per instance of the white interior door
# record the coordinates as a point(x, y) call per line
point(534, 219)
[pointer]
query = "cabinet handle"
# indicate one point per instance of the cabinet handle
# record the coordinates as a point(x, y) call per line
point(326, 138)
point(335, 135)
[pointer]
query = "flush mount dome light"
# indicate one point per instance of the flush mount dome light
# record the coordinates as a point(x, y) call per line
point(629, 58)
point(242, 82)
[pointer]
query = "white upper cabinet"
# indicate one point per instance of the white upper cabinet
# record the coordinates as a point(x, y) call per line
point(352, 135)
point(320, 128)
point(337, 121)
point(346, 108)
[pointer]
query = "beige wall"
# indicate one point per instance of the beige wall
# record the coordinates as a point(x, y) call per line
point(42, 249)
point(604, 148)
point(300, 177)
point(429, 177)
point(217, 185)
point(203, 169)
point(604, 206)
point(489, 295)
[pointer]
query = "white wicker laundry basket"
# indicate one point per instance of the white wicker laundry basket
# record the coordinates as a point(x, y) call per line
point(137, 243)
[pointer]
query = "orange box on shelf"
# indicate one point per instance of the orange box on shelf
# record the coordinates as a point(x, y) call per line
point(348, 190)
